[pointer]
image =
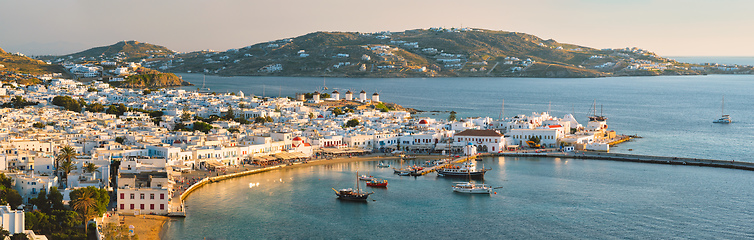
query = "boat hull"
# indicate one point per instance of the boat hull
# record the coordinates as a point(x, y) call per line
point(478, 174)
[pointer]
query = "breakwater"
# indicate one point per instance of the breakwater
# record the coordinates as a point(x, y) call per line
point(638, 158)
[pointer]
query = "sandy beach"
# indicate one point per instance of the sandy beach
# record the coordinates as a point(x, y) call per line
point(146, 226)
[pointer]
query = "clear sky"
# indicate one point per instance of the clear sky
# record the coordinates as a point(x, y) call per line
point(667, 27)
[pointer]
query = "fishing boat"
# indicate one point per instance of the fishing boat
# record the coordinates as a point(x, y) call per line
point(725, 118)
point(472, 188)
point(377, 183)
point(366, 177)
point(383, 165)
point(468, 169)
point(351, 195)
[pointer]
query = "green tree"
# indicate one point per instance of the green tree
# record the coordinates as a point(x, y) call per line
point(95, 107)
point(90, 168)
point(260, 120)
point(120, 140)
point(41, 201)
point(146, 91)
point(229, 115)
point(202, 126)
point(64, 160)
point(352, 123)
point(39, 125)
point(336, 111)
point(56, 199)
point(4, 233)
point(67, 102)
point(9, 195)
point(269, 119)
point(84, 205)
point(91, 89)
point(311, 115)
point(452, 116)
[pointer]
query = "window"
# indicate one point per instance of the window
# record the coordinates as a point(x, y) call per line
point(122, 196)
point(122, 206)
point(132, 197)
point(151, 206)
point(141, 196)
point(141, 206)
point(132, 206)
point(162, 206)
point(151, 196)
point(162, 196)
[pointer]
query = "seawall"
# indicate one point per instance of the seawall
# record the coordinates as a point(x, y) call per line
point(639, 158)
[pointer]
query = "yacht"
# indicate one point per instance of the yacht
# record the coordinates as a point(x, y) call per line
point(468, 169)
point(472, 188)
point(725, 118)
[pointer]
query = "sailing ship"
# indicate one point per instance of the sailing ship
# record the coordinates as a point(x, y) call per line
point(724, 118)
point(351, 195)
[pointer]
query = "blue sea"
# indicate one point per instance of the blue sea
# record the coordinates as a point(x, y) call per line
point(540, 198)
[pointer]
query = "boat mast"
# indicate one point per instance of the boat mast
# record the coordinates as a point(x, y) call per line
point(502, 111)
point(722, 109)
point(357, 182)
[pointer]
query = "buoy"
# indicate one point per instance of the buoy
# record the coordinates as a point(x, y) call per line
point(495, 192)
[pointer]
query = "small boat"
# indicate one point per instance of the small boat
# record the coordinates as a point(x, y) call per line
point(725, 118)
point(383, 165)
point(472, 188)
point(366, 177)
point(351, 195)
point(377, 183)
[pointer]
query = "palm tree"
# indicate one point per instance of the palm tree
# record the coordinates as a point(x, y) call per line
point(83, 205)
point(65, 155)
point(90, 168)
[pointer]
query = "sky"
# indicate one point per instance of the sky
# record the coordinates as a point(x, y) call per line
point(667, 27)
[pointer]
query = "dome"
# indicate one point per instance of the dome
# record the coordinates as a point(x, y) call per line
point(336, 91)
point(375, 94)
point(423, 121)
point(320, 116)
point(362, 91)
point(470, 144)
point(297, 139)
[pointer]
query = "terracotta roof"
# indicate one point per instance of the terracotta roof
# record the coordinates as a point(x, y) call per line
point(555, 126)
point(479, 133)
point(297, 139)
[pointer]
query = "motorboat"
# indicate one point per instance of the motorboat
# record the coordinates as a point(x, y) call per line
point(366, 177)
point(383, 165)
point(377, 183)
point(472, 188)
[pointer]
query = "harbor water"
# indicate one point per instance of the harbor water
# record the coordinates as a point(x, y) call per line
point(540, 198)
point(673, 114)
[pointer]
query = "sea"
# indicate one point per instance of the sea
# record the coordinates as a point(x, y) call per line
point(539, 198)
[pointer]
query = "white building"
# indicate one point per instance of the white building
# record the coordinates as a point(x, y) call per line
point(12, 220)
point(483, 140)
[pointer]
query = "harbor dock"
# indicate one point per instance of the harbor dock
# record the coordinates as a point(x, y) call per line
point(426, 170)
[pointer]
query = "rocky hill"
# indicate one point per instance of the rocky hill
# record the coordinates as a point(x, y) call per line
point(125, 51)
point(24, 70)
point(147, 78)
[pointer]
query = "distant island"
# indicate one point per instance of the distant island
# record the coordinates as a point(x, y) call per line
point(433, 52)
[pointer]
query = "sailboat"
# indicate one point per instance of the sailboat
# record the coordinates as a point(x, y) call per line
point(724, 118)
point(324, 86)
point(204, 89)
point(350, 194)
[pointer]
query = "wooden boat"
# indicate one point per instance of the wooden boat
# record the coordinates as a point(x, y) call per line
point(366, 177)
point(351, 195)
point(377, 183)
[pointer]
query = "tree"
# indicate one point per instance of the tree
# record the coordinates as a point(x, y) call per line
point(39, 125)
point(336, 111)
point(67, 102)
point(95, 107)
point(269, 119)
point(4, 233)
point(90, 167)
point(91, 89)
point(229, 115)
point(146, 91)
point(452, 116)
point(352, 123)
point(41, 201)
point(64, 160)
point(202, 126)
point(84, 204)
point(56, 199)
point(120, 140)
point(260, 120)
point(311, 115)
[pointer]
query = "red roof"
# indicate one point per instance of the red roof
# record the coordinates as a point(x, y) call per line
point(297, 139)
point(423, 121)
point(479, 133)
point(320, 116)
point(555, 126)
point(307, 145)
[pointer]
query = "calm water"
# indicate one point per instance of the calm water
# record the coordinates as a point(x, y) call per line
point(541, 198)
point(720, 60)
point(673, 114)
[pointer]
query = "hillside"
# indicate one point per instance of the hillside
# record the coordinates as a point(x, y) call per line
point(148, 78)
point(126, 51)
point(434, 52)
point(24, 70)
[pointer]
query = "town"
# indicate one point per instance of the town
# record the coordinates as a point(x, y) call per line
point(144, 148)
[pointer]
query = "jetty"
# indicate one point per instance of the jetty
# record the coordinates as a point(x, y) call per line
point(636, 158)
